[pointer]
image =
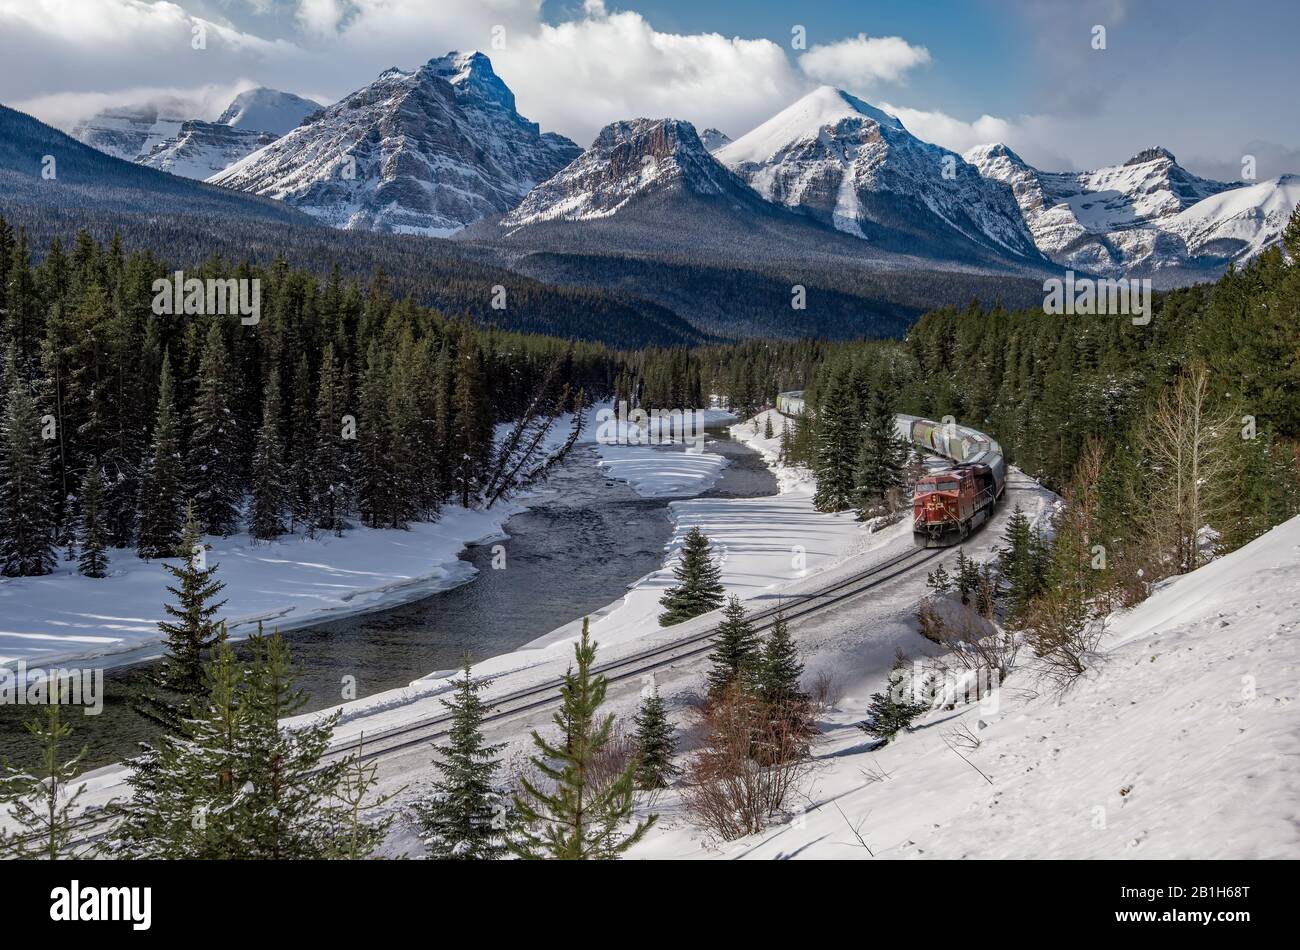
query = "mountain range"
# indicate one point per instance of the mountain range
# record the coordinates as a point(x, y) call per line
point(832, 200)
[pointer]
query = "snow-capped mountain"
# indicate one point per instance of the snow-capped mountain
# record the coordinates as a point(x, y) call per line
point(267, 110)
point(630, 159)
point(427, 151)
point(193, 148)
point(714, 139)
point(1145, 216)
point(847, 164)
point(130, 132)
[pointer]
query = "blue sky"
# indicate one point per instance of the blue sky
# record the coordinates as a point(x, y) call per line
point(1210, 80)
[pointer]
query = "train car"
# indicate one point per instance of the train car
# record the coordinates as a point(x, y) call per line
point(791, 403)
point(948, 506)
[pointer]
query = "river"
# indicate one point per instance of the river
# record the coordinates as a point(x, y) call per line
point(584, 539)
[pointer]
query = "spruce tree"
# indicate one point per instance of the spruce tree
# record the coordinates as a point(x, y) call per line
point(780, 668)
point(285, 791)
point(42, 803)
point(737, 655)
point(189, 636)
point(464, 815)
point(186, 790)
point(656, 743)
point(271, 496)
point(26, 518)
point(161, 505)
point(767, 427)
point(212, 461)
point(93, 536)
point(881, 461)
point(331, 478)
point(577, 819)
point(837, 443)
point(939, 580)
point(699, 586)
point(893, 710)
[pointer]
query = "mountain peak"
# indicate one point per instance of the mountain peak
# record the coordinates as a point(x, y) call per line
point(824, 108)
point(1153, 154)
point(471, 73)
point(267, 110)
point(629, 158)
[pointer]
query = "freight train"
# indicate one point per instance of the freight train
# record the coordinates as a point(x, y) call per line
point(947, 506)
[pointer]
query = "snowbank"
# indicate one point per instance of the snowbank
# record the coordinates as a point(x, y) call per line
point(288, 583)
point(1185, 744)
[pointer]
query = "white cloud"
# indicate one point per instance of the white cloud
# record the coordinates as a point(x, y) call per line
point(578, 76)
point(860, 62)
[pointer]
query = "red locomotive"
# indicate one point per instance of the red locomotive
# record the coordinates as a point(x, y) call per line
point(948, 506)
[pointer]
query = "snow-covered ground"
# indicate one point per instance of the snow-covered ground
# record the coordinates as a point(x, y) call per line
point(64, 618)
point(1184, 743)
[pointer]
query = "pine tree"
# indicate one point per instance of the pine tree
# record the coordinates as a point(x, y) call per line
point(736, 657)
point(93, 537)
point(780, 669)
point(332, 484)
point(893, 710)
point(271, 498)
point(881, 461)
point(656, 744)
point(212, 462)
point(837, 443)
point(43, 804)
point(26, 519)
point(186, 793)
point(939, 580)
point(189, 636)
point(285, 791)
point(578, 820)
point(699, 586)
point(767, 427)
point(464, 815)
point(161, 507)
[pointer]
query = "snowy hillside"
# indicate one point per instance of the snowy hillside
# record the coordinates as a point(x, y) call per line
point(1186, 743)
point(1146, 216)
point(427, 151)
point(844, 162)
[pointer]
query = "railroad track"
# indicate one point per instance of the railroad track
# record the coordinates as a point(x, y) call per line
point(393, 741)
point(403, 738)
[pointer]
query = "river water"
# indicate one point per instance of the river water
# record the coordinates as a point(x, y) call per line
point(576, 549)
